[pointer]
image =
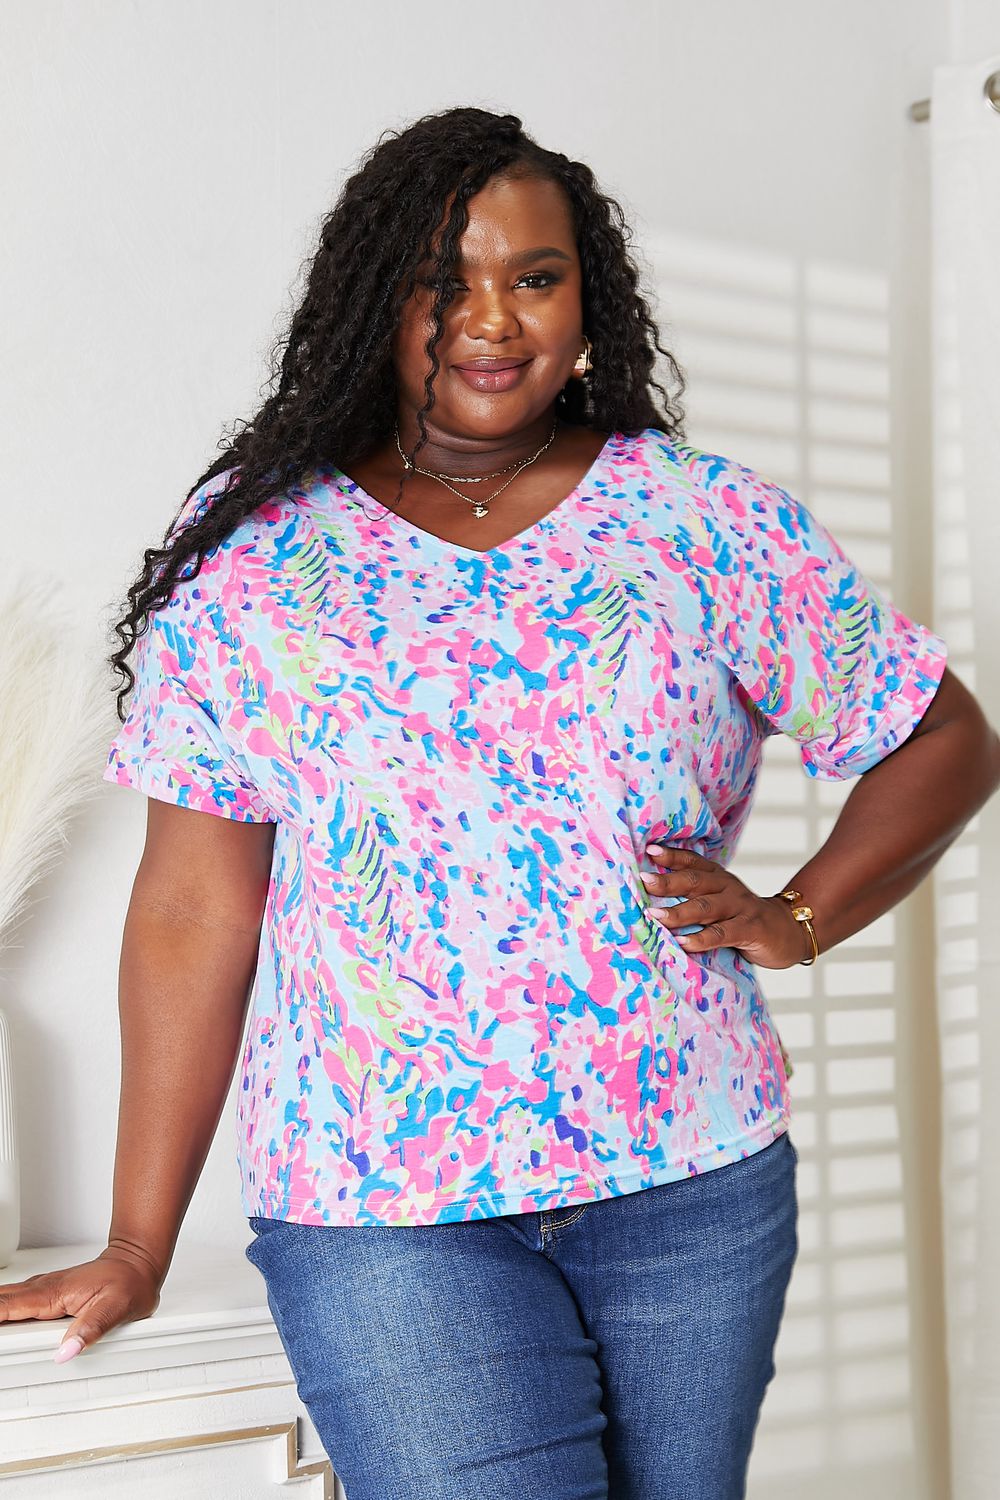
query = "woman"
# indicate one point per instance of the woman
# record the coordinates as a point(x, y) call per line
point(472, 671)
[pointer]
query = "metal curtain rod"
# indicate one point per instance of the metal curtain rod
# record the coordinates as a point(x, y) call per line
point(921, 110)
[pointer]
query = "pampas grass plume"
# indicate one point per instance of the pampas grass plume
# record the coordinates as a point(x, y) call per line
point(58, 721)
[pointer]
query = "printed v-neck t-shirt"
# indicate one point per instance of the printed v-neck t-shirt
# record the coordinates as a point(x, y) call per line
point(462, 1006)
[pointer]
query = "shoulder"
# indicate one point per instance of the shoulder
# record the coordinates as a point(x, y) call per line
point(710, 476)
point(719, 518)
point(729, 496)
point(260, 581)
point(707, 478)
point(260, 546)
point(264, 577)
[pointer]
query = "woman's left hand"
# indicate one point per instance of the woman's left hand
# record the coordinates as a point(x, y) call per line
point(761, 928)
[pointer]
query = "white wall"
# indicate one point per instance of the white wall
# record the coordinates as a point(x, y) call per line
point(973, 30)
point(167, 164)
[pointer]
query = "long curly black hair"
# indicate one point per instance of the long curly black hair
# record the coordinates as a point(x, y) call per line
point(335, 398)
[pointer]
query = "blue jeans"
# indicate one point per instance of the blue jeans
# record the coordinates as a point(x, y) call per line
point(614, 1350)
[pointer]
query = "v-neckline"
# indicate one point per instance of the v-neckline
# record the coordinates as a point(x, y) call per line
point(545, 524)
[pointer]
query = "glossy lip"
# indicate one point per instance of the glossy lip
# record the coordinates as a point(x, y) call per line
point(499, 375)
point(489, 364)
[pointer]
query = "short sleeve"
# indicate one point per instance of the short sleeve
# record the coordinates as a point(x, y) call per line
point(171, 745)
point(822, 653)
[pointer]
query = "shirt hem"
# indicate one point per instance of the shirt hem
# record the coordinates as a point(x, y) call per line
point(448, 1210)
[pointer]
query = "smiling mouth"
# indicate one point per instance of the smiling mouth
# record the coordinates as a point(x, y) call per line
point(492, 377)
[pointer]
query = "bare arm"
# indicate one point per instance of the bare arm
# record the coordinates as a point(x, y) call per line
point(188, 955)
point(895, 825)
point(902, 815)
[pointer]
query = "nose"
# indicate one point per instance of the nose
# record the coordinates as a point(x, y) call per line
point(490, 314)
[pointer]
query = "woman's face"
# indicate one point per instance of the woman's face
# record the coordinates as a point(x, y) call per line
point(517, 299)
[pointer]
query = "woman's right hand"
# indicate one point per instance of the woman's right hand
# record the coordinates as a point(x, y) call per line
point(117, 1287)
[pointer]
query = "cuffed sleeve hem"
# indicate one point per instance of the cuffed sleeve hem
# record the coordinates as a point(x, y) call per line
point(156, 779)
point(900, 717)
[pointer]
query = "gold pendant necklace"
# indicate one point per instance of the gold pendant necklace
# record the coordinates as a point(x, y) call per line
point(479, 507)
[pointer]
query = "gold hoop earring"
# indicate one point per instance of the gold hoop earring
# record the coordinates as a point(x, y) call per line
point(583, 365)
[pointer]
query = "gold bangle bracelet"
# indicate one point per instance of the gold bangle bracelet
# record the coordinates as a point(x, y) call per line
point(804, 915)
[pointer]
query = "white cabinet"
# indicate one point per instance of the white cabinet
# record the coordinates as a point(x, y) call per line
point(197, 1400)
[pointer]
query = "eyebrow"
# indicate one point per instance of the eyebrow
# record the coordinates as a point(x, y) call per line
point(525, 257)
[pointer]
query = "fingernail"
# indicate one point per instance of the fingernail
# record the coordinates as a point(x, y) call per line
point(68, 1349)
point(646, 876)
point(655, 849)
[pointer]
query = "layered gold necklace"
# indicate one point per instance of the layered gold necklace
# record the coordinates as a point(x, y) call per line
point(479, 506)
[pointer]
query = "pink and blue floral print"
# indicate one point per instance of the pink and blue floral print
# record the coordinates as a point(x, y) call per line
point(462, 1007)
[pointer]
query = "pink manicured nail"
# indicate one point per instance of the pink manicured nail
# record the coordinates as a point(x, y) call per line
point(647, 875)
point(68, 1349)
point(655, 849)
